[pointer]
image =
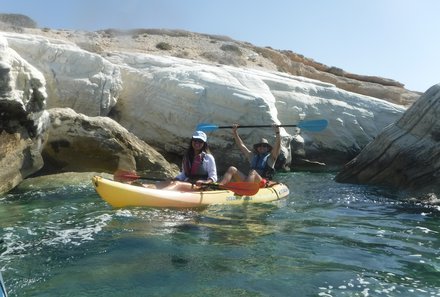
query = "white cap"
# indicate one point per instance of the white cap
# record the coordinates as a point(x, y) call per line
point(199, 135)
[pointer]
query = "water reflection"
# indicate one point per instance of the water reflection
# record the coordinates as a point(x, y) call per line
point(234, 225)
point(214, 225)
point(325, 239)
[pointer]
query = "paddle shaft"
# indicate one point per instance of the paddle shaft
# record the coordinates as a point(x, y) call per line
point(136, 177)
point(309, 125)
point(255, 126)
point(133, 177)
point(151, 178)
point(240, 188)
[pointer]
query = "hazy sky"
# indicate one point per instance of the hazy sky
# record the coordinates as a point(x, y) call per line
point(396, 39)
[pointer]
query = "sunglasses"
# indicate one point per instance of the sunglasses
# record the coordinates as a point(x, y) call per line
point(262, 145)
point(197, 140)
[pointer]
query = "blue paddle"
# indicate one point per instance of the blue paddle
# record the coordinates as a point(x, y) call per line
point(311, 125)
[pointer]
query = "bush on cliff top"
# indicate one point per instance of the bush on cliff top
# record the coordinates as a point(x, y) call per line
point(17, 20)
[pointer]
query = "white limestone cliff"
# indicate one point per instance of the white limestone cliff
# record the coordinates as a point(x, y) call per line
point(161, 99)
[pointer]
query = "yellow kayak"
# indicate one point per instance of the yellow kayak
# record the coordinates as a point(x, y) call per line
point(119, 194)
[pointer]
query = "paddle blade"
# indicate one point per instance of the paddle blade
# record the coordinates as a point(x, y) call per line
point(313, 125)
point(206, 127)
point(241, 188)
point(123, 175)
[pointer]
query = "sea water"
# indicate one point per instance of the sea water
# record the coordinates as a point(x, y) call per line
point(325, 239)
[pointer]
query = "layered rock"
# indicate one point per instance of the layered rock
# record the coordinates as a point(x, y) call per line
point(164, 98)
point(79, 143)
point(161, 100)
point(215, 49)
point(406, 155)
point(74, 78)
point(23, 119)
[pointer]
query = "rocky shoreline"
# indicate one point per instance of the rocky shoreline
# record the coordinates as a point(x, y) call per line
point(99, 101)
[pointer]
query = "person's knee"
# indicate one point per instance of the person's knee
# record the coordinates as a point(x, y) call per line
point(253, 173)
point(232, 170)
point(253, 176)
point(173, 185)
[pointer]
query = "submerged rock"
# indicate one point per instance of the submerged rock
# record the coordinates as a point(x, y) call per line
point(53, 181)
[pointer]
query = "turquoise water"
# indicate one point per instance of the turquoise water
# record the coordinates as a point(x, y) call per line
point(325, 239)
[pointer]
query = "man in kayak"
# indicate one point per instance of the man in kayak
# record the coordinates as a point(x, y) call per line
point(262, 160)
point(198, 166)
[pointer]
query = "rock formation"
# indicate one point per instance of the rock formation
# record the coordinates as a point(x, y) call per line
point(23, 118)
point(406, 155)
point(160, 99)
point(79, 143)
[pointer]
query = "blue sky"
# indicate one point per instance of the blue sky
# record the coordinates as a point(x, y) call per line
point(396, 39)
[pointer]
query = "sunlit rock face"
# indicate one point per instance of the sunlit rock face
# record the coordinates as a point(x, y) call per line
point(23, 119)
point(406, 154)
point(161, 99)
point(164, 99)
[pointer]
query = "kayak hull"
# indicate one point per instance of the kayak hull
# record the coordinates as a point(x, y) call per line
point(119, 194)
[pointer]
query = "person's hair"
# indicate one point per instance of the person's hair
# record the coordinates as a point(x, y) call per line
point(190, 152)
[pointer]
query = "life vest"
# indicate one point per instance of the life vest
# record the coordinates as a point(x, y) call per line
point(259, 163)
point(195, 170)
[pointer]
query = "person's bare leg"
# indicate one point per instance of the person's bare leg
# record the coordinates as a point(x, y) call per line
point(163, 184)
point(232, 174)
point(179, 186)
point(253, 177)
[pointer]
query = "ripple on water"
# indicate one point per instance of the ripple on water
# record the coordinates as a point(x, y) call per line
point(325, 239)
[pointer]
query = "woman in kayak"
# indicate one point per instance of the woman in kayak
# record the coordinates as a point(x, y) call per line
point(198, 166)
point(262, 160)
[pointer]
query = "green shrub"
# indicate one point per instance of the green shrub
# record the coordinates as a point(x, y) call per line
point(224, 58)
point(227, 47)
point(166, 32)
point(218, 37)
point(17, 20)
point(164, 46)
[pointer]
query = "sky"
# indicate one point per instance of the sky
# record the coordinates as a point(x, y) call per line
point(395, 39)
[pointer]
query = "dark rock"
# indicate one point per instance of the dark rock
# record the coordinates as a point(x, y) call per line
point(81, 144)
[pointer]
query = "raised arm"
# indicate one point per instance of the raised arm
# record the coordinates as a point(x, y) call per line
point(243, 148)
